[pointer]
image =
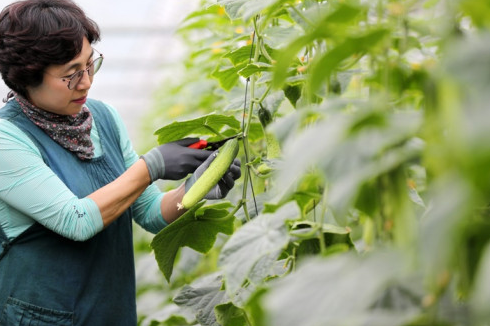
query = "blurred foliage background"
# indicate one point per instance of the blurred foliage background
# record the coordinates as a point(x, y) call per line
point(366, 130)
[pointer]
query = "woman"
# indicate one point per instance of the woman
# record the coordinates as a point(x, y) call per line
point(70, 182)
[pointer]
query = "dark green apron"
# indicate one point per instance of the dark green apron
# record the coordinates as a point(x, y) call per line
point(47, 279)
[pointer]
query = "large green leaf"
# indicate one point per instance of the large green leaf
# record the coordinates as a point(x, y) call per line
point(229, 315)
point(240, 55)
point(277, 36)
point(341, 290)
point(228, 76)
point(265, 236)
point(201, 298)
point(196, 229)
point(211, 124)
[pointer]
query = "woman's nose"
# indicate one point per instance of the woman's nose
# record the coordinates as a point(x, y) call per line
point(85, 82)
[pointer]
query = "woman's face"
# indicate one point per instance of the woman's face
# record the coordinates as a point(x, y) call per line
point(53, 94)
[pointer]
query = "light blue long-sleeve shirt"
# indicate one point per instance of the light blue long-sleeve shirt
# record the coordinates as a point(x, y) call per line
point(31, 192)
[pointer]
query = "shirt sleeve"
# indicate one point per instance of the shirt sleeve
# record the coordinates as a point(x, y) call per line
point(147, 208)
point(29, 186)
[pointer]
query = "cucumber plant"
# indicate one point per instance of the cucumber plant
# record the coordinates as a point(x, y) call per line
point(364, 193)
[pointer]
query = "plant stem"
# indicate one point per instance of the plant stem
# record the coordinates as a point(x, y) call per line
point(262, 98)
point(293, 260)
point(321, 239)
point(244, 196)
point(265, 53)
point(300, 14)
point(237, 207)
point(246, 146)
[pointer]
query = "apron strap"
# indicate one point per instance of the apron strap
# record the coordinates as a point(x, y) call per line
point(4, 243)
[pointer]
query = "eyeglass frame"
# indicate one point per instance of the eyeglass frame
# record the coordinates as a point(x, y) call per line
point(81, 72)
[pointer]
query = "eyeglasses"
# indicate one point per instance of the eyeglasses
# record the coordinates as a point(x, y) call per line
point(91, 70)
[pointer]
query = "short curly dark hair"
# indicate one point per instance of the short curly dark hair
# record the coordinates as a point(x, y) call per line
point(35, 34)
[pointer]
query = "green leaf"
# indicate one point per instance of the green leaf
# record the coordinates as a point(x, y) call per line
point(309, 192)
point(245, 9)
point(229, 315)
point(256, 132)
point(344, 13)
point(255, 308)
point(266, 235)
point(340, 290)
point(254, 68)
point(196, 229)
point(201, 297)
point(358, 45)
point(210, 124)
point(273, 101)
point(227, 77)
point(212, 9)
point(240, 55)
point(170, 315)
point(277, 36)
point(293, 93)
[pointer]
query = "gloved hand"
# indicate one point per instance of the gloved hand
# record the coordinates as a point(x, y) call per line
point(221, 189)
point(174, 160)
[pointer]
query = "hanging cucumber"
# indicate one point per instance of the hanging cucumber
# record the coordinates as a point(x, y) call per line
point(212, 175)
point(265, 116)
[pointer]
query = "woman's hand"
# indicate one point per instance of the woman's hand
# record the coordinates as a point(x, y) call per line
point(174, 160)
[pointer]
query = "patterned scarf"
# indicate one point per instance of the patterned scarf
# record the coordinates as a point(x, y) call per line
point(72, 132)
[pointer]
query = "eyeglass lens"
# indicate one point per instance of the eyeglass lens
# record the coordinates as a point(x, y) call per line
point(91, 70)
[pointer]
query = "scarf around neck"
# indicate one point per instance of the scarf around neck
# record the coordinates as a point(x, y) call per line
point(72, 132)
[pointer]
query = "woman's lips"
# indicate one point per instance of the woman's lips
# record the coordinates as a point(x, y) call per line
point(80, 100)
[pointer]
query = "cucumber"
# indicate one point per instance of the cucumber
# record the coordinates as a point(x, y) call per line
point(265, 116)
point(212, 175)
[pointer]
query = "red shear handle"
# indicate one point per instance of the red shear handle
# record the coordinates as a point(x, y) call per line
point(199, 144)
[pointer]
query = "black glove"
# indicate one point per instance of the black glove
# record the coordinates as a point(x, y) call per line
point(174, 160)
point(224, 185)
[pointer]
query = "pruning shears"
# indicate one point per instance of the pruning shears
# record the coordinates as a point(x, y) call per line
point(212, 145)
